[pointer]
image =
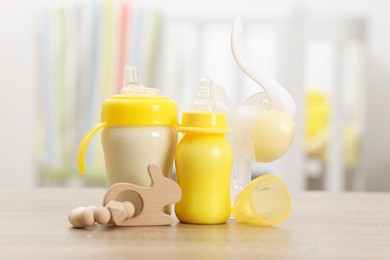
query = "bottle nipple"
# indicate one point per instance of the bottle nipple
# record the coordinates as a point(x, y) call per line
point(204, 100)
point(204, 116)
point(133, 85)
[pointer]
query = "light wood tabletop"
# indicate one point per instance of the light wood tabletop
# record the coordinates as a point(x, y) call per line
point(33, 224)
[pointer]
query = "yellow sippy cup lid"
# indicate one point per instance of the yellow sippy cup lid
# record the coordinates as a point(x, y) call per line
point(139, 111)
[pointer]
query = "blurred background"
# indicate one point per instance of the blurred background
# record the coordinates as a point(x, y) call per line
point(60, 59)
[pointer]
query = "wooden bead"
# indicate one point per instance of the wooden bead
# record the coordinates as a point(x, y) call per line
point(102, 215)
point(74, 217)
point(117, 210)
point(129, 207)
point(87, 217)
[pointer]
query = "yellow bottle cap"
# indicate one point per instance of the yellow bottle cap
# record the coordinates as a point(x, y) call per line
point(204, 122)
point(265, 201)
point(139, 111)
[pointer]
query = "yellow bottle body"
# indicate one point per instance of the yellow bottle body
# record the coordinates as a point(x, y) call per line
point(203, 167)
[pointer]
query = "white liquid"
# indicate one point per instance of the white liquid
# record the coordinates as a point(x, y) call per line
point(129, 150)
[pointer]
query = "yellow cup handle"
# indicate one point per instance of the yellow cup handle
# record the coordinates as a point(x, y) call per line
point(84, 145)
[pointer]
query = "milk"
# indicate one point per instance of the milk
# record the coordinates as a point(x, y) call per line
point(129, 150)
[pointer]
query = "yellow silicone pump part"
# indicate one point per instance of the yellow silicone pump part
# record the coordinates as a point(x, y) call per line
point(265, 201)
point(273, 133)
point(84, 145)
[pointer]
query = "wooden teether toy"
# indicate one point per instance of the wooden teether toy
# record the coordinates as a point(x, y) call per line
point(163, 191)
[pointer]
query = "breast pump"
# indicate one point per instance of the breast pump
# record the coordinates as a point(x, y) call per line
point(262, 129)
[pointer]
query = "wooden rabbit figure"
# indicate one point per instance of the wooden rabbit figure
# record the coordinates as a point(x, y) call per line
point(163, 191)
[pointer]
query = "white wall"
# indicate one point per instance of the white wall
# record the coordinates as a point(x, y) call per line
point(376, 142)
point(16, 93)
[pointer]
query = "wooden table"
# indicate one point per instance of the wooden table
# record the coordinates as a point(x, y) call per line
point(33, 224)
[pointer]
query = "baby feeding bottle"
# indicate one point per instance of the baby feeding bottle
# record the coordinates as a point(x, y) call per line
point(203, 163)
point(139, 128)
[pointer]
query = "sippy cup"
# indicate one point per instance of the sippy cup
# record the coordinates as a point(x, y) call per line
point(138, 130)
point(203, 163)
